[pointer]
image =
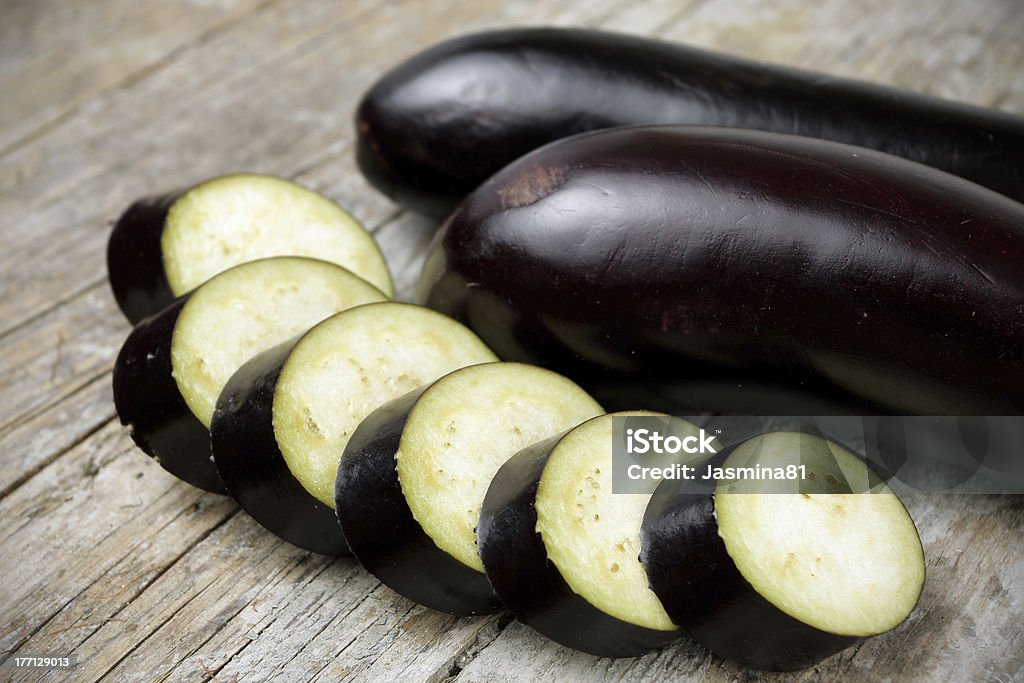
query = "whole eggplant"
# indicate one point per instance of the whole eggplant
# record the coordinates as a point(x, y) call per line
point(436, 126)
point(695, 268)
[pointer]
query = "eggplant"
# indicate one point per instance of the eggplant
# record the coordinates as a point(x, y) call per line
point(721, 270)
point(414, 475)
point(172, 367)
point(436, 126)
point(164, 246)
point(284, 418)
point(780, 574)
point(562, 549)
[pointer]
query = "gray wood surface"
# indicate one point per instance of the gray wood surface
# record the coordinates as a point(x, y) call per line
point(105, 556)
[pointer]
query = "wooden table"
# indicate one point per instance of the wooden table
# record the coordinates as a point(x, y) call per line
point(143, 578)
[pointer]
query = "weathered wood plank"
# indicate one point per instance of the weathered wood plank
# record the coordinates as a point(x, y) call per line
point(230, 105)
point(190, 602)
point(335, 175)
point(520, 654)
point(34, 442)
point(325, 619)
point(426, 653)
point(58, 353)
point(961, 50)
point(105, 606)
point(76, 179)
point(404, 241)
point(78, 518)
point(265, 639)
point(654, 17)
point(36, 37)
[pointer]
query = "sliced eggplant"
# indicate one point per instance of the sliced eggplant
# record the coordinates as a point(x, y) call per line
point(414, 475)
point(174, 364)
point(284, 419)
point(562, 551)
point(165, 246)
point(779, 574)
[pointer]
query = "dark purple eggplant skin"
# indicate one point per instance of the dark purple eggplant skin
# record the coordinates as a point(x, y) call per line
point(148, 401)
point(516, 562)
point(697, 256)
point(436, 126)
point(250, 463)
point(135, 262)
point(703, 591)
point(381, 530)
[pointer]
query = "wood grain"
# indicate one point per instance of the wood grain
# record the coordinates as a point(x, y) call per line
point(106, 556)
point(36, 39)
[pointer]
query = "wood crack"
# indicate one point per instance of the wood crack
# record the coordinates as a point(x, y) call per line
point(485, 636)
point(370, 594)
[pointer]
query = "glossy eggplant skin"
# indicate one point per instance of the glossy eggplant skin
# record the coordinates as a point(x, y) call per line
point(517, 565)
point(695, 257)
point(250, 463)
point(135, 260)
point(147, 399)
point(380, 527)
point(702, 590)
point(438, 125)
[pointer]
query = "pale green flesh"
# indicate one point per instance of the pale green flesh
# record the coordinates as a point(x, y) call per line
point(238, 218)
point(593, 535)
point(845, 563)
point(248, 309)
point(349, 365)
point(464, 428)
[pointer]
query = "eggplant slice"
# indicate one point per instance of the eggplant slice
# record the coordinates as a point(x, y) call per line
point(414, 476)
point(173, 365)
point(284, 419)
point(779, 574)
point(165, 246)
point(563, 551)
